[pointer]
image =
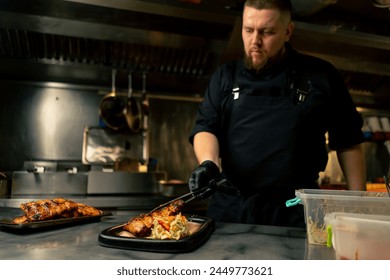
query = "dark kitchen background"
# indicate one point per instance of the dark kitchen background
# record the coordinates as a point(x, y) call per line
point(57, 57)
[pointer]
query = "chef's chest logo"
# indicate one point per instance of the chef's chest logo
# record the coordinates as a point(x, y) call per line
point(236, 93)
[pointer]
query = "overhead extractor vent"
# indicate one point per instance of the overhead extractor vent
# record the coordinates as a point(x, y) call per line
point(59, 49)
point(368, 90)
point(362, 82)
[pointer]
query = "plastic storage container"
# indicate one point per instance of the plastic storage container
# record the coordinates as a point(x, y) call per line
point(360, 236)
point(318, 203)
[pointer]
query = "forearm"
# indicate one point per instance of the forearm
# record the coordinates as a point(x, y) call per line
point(206, 147)
point(352, 164)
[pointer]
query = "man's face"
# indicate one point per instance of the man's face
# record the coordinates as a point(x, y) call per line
point(264, 33)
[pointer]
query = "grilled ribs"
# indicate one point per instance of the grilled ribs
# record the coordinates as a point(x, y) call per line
point(55, 208)
point(46, 209)
point(86, 210)
point(141, 226)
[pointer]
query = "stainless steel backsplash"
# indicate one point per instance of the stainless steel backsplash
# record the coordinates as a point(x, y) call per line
point(46, 122)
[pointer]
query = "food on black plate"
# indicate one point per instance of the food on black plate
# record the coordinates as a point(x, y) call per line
point(56, 208)
point(164, 223)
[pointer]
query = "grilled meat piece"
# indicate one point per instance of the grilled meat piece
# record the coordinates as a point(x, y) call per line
point(169, 210)
point(86, 210)
point(20, 220)
point(141, 226)
point(83, 210)
point(47, 209)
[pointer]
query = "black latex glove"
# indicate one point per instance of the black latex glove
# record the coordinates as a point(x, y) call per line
point(201, 177)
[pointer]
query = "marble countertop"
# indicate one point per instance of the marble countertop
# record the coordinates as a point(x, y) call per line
point(227, 241)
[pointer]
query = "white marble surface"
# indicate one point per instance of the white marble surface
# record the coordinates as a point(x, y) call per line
point(228, 241)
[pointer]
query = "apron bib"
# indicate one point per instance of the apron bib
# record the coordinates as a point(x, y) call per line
point(262, 132)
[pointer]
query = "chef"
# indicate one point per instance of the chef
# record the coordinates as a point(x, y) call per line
point(263, 123)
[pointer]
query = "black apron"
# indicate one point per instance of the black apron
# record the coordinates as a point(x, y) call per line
point(258, 153)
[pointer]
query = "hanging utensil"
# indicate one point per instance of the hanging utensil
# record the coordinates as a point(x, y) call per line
point(112, 108)
point(132, 111)
point(145, 120)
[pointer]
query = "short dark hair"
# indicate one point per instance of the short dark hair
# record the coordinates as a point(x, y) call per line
point(282, 5)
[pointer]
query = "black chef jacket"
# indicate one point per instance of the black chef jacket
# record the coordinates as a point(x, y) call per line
point(271, 129)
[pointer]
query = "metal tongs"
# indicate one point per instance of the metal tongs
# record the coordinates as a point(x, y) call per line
point(221, 185)
point(387, 184)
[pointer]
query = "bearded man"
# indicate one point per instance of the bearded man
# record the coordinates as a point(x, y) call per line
point(267, 122)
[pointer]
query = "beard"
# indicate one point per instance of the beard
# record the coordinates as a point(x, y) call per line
point(268, 62)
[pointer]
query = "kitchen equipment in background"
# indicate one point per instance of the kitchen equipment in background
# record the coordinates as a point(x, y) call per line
point(318, 203)
point(387, 144)
point(48, 178)
point(376, 147)
point(359, 236)
point(112, 108)
point(145, 121)
point(379, 127)
point(172, 188)
point(386, 129)
point(104, 147)
point(132, 111)
point(376, 129)
point(115, 159)
point(387, 184)
point(4, 185)
point(126, 164)
point(124, 183)
point(385, 124)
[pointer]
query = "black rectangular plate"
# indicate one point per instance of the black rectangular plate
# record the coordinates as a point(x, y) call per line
point(109, 238)
point(9, 226)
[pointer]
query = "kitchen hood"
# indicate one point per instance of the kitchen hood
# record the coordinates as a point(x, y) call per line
point(179, 43)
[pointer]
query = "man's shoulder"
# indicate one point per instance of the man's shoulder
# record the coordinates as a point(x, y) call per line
point(310, 62)
point(231, 65)
point(225, 73)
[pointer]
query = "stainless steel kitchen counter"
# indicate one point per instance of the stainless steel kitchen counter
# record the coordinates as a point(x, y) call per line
point(228, 241)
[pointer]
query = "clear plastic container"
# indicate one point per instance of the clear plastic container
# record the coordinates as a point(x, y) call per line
point(360, 236)
point(318, 203)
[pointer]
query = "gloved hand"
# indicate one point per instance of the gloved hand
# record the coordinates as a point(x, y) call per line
point(201, 177)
